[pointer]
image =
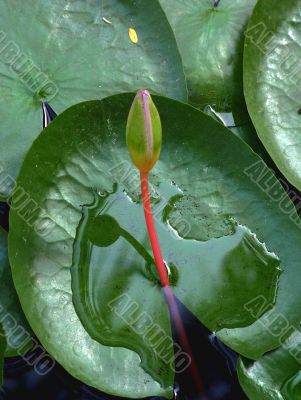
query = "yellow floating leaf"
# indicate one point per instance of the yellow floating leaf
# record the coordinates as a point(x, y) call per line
point(133, 35)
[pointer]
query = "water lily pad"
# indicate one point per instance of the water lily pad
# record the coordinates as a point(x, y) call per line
point(210, 38)
point(18, 335)
point(76, 51)
point(221, 235)
point(271, 79)
point(277, 375)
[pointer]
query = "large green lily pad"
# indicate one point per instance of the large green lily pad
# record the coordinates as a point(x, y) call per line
point(70, 51)
point(277, 375)
point(271, 80)
point(18, 335)
point(222, 232)
point(210, 40)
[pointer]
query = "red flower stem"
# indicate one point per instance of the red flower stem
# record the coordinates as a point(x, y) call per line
point(152, 230)
point(169, 296)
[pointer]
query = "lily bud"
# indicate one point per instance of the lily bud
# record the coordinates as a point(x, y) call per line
point(144, 132)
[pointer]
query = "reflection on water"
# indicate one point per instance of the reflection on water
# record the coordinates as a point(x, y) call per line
point(113, 260)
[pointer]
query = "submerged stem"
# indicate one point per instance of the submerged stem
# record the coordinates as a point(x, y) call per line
point(184, 341)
